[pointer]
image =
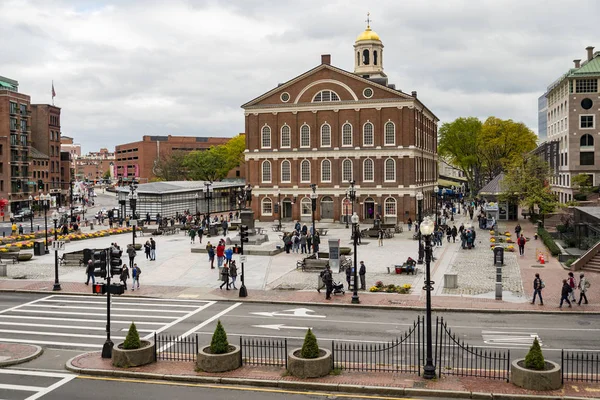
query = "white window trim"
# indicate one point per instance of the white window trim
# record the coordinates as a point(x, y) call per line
point(351, 169)
point(302, 208)
point(372, 133)
point(309, 171)
point(281, 137)
point(593, 121)
point(364, 170)
point(262, 135)
point(351, 134)
point(281, 171)
point(385, 179)
point(300, 144)
point(330, 101)
point(330, 170)
point(330, 138)
point(262, 172)
point(385, 214)
point(262, 206)
point(385, 134)
point(281, 97)
point(372, 92)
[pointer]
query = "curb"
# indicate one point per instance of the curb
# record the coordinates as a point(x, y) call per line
point(365, 306)
point(315, 386)
point(38, 352)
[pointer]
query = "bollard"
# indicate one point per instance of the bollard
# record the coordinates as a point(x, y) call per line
point(498, 282)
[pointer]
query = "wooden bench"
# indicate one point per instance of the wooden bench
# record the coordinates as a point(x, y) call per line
point(14, 256)
point(322, 231)
point(276, 228)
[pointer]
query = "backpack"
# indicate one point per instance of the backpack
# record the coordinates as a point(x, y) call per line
point(138, 270)
point(572, 282)
point(587, 284)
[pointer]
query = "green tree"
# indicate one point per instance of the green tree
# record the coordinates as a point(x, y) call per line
point(170, 166)
point(132, 340)
point(582, 182)
point(106, 174)
point(534, 358)
point(219, 343)
point(215, 163)
point(310, 347)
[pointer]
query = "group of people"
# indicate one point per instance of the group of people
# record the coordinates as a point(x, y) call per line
point(567, 291)
point(301, 240)
point(326, 279)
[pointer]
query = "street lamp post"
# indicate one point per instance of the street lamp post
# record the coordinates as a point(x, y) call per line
point(355, 299)
point(133, 197)
point(420, 217)
point(46, 204)
point(279, 209)
point(426, 229)
point(313, 198)
point(352, 197)
point(30, 214)
point(196, 196)
point(207, 196)
point(436, 190)
point(346, 201)
point(56, 283)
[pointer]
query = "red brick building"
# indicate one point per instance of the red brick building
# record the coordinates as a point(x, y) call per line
point(328, 127)
point(45, 137)
point(137, 159)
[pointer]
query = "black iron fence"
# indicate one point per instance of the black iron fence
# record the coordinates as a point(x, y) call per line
point(580, 366)
point(403, 354)
point(175, 348)
point(454, 357)
point(259, 351)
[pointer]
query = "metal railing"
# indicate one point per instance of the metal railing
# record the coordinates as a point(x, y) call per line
point(175, 348)
point(258, 351)
point(580, 366)
point(454, 357)
point(403, 354)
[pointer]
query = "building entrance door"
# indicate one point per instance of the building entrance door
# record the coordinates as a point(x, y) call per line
point(369, 208)
point(287, 210)
point(327, 208)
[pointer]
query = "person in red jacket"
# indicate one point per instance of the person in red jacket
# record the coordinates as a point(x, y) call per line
point(521, 243)
point(220, 253)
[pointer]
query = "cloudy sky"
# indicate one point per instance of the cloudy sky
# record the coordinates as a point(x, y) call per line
point(125, 68)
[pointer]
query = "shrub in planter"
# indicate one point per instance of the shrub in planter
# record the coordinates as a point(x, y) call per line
point(310, 348)
point(219, 343)
point(133, 352)
point(309, 361)
point(132, 340)
point(534, 358)
point(535, 373)
point(220, 356)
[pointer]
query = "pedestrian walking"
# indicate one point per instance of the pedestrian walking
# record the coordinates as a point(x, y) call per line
point(409, 223)
point(89, 271)
point(124, 276)
point(152, 249)
point(211, 254)
point(328, 279)
point(315, 242)
point(538, 285)
point(521, 243)
point(232, 272)
point(362, 272)
point(303, 243)
point(228, 256)
point(583, 286)
point(131, 253)
point(448, 233)
point(220, 253)
point(348, 276)
point(380, 238)
point(571, 281)
point(225, 277)
point(192, 233)
point(225, 226)
point(564, 293)
point(518, 230)
point(135, 276)
point(200, 233)
point(454, 232)
point(147, 249)
point(321, 282)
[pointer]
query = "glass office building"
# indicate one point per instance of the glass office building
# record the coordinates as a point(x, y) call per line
point(542, 118)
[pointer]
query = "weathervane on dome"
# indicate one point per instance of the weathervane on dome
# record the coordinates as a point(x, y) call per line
point(368, 21)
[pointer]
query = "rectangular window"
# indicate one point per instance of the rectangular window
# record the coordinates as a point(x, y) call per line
point(13, 124)
point(586, 86)
point(586, 158)
point(13, 108)
point(586, 121)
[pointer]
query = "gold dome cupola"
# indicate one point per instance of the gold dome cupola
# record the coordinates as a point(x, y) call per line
point(368, 50)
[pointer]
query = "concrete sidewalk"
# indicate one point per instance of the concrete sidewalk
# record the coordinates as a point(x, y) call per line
point(365, 383)
point(16, 353)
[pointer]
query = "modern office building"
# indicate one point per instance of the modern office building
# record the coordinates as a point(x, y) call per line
point(542, 118)
point(45, 137)
point(327, 127)
point(573, 112)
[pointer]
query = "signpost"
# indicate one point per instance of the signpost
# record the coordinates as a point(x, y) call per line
point(58, 245)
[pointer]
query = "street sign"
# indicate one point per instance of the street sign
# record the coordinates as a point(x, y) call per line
point(58, 245)
point(243, 258)
point(134, 222)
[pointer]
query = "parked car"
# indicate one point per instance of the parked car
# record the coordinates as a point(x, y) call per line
point(23, 215)
point(77, 210)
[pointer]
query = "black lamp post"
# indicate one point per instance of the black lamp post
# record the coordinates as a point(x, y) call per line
point(426, 228)
point(352, 197)
point(30, 214)
point(313, 198)
point(46, 204)
point(133, 197)
point(436, 191)
point(279, 209)
point(420, 217)
point(355, 299)
point(207, 196)
point(56, 283)
point(196, 196)
point(346, 201)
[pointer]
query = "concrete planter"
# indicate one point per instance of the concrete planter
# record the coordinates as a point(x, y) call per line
point(133, 358)
point(25, 256)
point(208, 362)
point(309, 367)
point(549, 379)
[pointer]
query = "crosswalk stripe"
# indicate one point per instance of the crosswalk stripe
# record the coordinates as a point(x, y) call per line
point(22, 305)
point(33, 373)
point(21, 387)
point(157, 299)
point(44, 342)
point(87, 307)
point(164, 328)
point(50, 388)
point(100, 315)
point(57, 334)
point(119, 303)
point(78, 320)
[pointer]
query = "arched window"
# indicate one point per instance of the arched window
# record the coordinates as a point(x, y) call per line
point(390, 207)
point(305, 171)
point(365, 58)
point(305, 136)
point(390, 170)
point(266, 137)
point(325, 171)
point(375, 57)
point(325, 135)
point(267, 206)
point(286, 171)
point(286, 136)
point(368, 134)
point(305, 207)
point(347, 170)
point(266, 171)
point(586, 140)
point(586, 150)
point(326, 95)
point(347, 134)
point(390, 133)
point(368, 173)
point(358, 58)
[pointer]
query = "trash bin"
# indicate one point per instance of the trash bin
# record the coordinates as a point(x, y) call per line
point(38, 248)
point(499, 255)
point(213, 231)
point(91, 226)
point(450, 281)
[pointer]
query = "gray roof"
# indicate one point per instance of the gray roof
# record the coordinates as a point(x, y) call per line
point(35, 153)
point(493, 188)
point(592, 211)
point(177, 186)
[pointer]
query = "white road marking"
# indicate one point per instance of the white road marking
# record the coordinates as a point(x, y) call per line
point(50, 388)
point(90, 328)
point(279, 327)
point(119, 303)
point(21, 387)
point(39, 390)
point(34, 373)
point(164, 328)
point(158, 299)
point(510, 338)
point(295, 312)
point(100, 315)
point(22, 305)
point(68, 344)
point(87, 307)
point(79, 320)
point(55, 334)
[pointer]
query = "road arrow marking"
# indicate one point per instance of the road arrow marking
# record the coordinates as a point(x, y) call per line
point(509, 338)
point(279, 327)
point(294, 312)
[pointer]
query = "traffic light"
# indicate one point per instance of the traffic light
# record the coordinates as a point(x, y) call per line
point(244, 233)
point(99, 260)
point(40, 184)
point(98, 288)
point(116, 265)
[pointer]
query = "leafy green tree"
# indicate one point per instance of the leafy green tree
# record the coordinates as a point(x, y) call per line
point(170, 166)
point(310, 348)
point(582, 182)
point(219, 343)
point(132, 340)
point(215, 163)
point(534, 358)
point(106, 174)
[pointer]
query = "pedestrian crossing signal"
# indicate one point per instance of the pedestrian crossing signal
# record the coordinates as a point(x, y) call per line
point(98, 288)
point(244, 233)
point(99, 262)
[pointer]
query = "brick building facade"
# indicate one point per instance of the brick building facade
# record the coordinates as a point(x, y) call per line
point(328, 127)
point(45, 137)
